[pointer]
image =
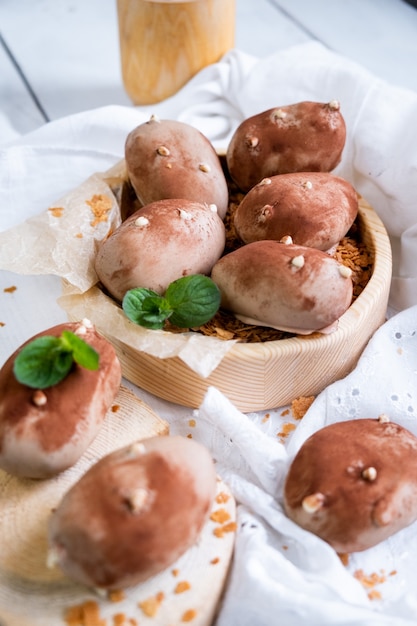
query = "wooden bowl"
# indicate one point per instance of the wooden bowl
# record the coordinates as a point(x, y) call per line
point(261, 376)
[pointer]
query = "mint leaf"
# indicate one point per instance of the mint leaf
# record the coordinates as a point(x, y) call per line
point(82, 352)
point(195, 300)
point(188, 302)
point(146, 308)
point(47, 360)
point(42, 363)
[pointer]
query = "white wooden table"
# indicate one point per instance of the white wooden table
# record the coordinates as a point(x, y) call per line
point(59, 57)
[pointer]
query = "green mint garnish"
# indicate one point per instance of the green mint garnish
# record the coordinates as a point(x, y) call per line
point(188, 302)
point(47, 360)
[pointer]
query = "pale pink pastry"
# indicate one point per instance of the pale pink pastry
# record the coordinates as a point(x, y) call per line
point(354, 483)
point(284, 286)
point(45, 431)
point(133, 513)
point(160, 243)
point(315, 209)
point(171, 159)
point(301, 137)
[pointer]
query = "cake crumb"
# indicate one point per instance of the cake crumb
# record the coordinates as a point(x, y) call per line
point(56, 211)
point(230, 527)
point(222, 497)
point(182, 586)
point(150, 606)
point(117, 595)
point(300, 406)
point(192, 423)
point(10, 289)
point(175, 572)
point(115, 408)
point(286, 429)
point(100, 205)
point(344, 557)
point(189, 615)
point(220, 516)
point(215, 560)
point(85, 614)
point(285, 412)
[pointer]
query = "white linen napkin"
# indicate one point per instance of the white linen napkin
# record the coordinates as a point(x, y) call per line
point(280, 574)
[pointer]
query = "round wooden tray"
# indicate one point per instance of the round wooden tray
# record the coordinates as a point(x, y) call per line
point(31, 594)
point(261, 376)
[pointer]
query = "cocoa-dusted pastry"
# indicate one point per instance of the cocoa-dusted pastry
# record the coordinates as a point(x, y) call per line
point(171, 159)
point(315, 208)
point(43, 431)
point(133, 513)
point(302, 137)
point(156, 245)
point(354, 483)
point(284, 286)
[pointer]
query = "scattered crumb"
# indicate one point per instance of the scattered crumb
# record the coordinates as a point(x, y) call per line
point(220, 516)
point(116, 595)
point(344, 557)
point(115, 408)
point(285, 412)
point(2, 324)
point(56, 211)
point(286, 429)
point(192, 423)
point(230, 527)
point(11, 289)
point(215, 560)
point(151, 605)
point(182, 586)
point(300, 406)
point(79, 236)
point(374, 595)
point(100, 205)
point(175, 572)
point(265, 418)
point(189, 615)
point(189, 436)
point(284, 547)
point(86, 614)
point(222, 497)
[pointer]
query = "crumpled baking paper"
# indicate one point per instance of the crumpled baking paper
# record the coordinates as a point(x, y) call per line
point(280, 574)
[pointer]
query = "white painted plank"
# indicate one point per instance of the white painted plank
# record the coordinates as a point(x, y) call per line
point(18, 113)
point(381, 35)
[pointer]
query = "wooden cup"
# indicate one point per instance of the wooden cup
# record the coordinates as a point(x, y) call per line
point(164, 43)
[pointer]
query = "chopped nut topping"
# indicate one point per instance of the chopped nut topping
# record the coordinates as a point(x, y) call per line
point(163, 151)
point(184, 215)
point(213, 208)
point(52, 558)
point(345, 272)
point(298, 261)
point(308, 184)
point(265, 181)
point(142, 221)
point(204, 167)
point(137, 499)
point(279, 114)
point(137, 449)
point(334, 104)
point(287, 240)
point(39, 398)
point(154, 118)
point(369, 473)
point(313, 503)
point(252, 142)
point(383, 419)
point(265, 213)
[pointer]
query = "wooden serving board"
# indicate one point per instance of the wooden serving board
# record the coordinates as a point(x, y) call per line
point(31, 594)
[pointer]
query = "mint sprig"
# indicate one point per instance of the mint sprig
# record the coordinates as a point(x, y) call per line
point(188, 302)
point(47, 360)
